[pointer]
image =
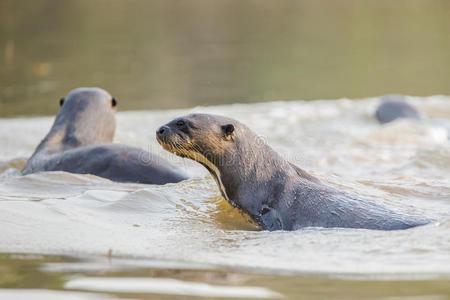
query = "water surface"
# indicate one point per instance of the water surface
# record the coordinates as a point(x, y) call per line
point(190, 227)
point(50, 277)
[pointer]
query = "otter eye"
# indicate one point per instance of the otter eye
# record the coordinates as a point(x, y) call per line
point(61, 102)
point(228, 129)
point(180, 123)
point(113, 102)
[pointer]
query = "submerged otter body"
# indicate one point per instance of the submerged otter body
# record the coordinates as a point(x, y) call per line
point(394, 107)
point(80, 141)
point(275, 193)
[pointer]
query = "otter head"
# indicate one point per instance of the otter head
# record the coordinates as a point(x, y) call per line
point(208, 139)
point(214, 141)
point(86, 117)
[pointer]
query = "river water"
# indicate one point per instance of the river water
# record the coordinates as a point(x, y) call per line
point(185, 239)
point(178, 54)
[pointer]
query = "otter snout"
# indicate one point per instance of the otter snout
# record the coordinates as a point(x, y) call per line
point(165, 136)
point(162, 131)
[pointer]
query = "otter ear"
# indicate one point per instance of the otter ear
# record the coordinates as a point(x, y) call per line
point(228, 131)
point(113, 102)
point(61, 102)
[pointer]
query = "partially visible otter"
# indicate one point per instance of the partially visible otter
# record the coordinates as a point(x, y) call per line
point(80, 142)
point(394, 107)
point(275, 193)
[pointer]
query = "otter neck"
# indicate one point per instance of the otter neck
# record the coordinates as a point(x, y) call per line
point(253, 178)
point(53, 141)
point(64, 136)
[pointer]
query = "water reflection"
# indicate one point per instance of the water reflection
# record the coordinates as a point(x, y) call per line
point(166, 54)
point(144, 279)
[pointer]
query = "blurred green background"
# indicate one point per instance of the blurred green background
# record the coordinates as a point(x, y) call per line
point(171, 54)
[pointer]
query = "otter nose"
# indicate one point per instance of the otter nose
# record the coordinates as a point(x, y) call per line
point(162, 131)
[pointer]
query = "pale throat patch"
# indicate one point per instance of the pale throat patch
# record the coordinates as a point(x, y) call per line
point(202, 159)
point(54, 143)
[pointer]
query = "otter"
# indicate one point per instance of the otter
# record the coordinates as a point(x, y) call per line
point(272, 191)
point(80, 141)
point(394, 107)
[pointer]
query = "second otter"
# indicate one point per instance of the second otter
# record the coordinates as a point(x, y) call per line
point(80, 141)
point(275, 193)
